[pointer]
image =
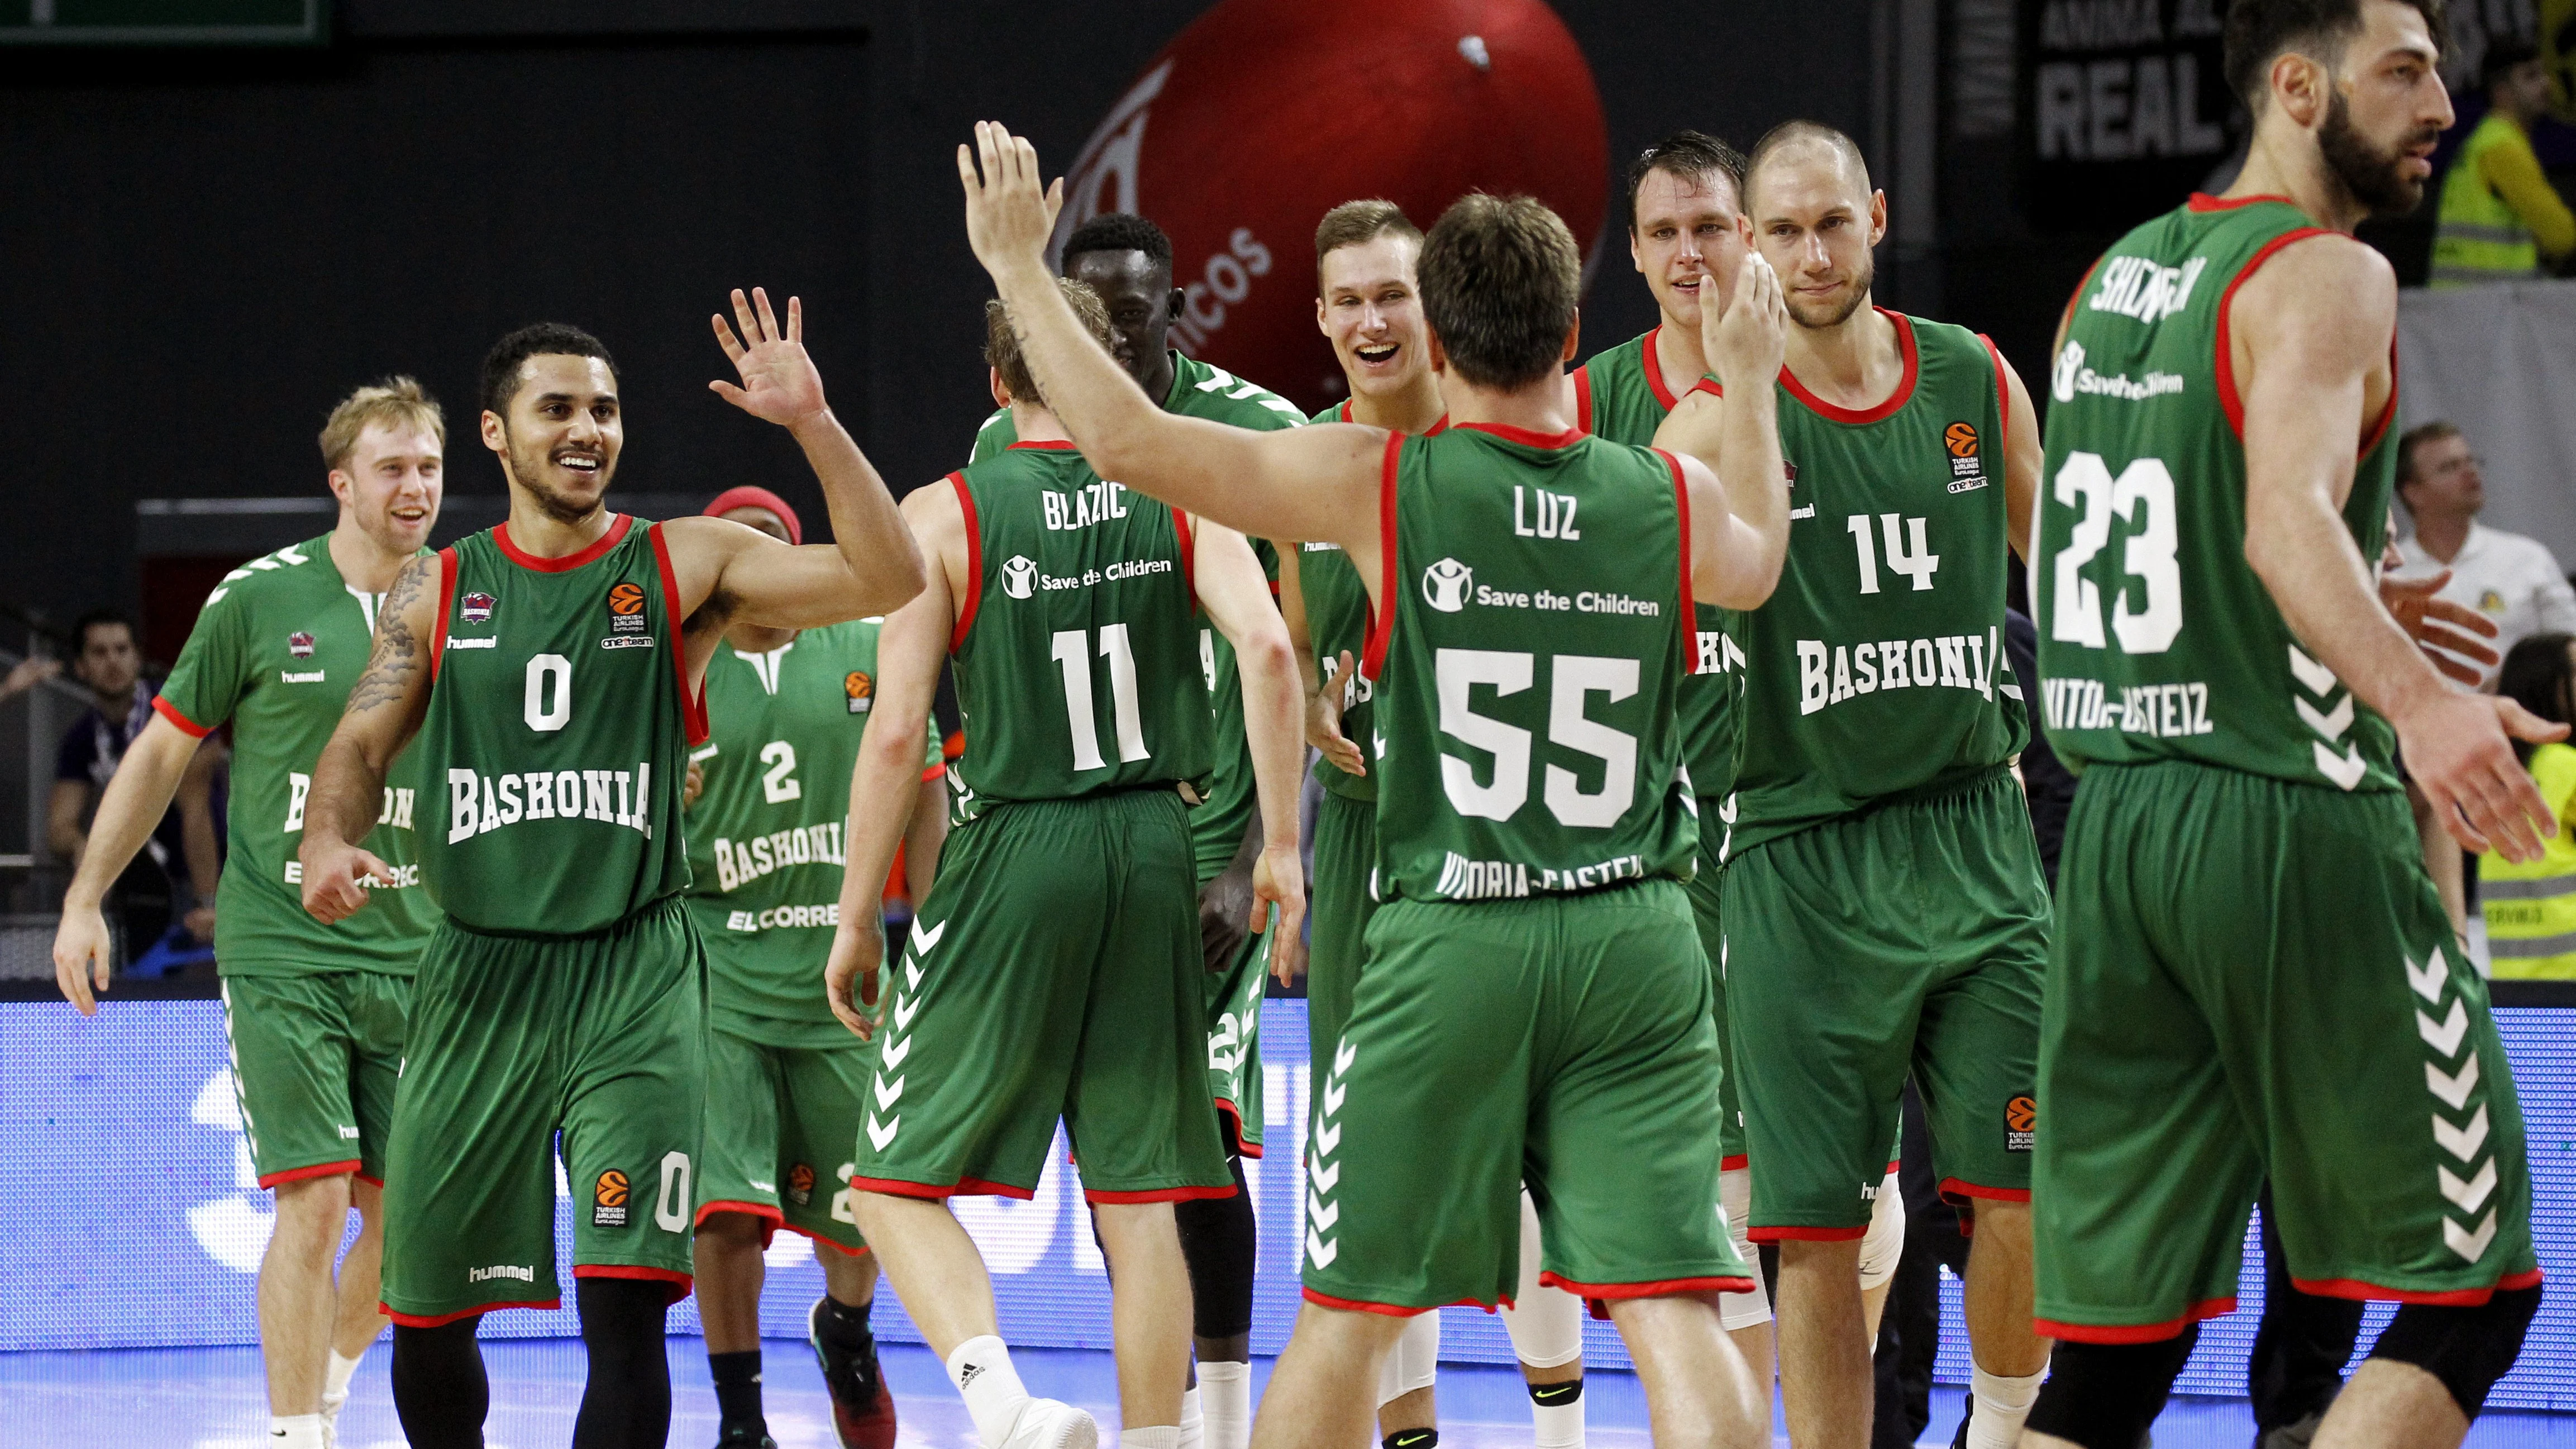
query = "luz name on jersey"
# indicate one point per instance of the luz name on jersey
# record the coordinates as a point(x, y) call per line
point(2166, 711)
point(479, 804)
point(740, 862)
point(1830, 675)
point(1462, 879)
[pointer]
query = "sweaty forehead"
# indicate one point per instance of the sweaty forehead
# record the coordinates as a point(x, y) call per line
point(1119, 273)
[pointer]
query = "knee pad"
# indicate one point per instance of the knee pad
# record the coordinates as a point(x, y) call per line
point(1735, 1199)
point(1414, 1361)
point(1220, 1243)
point(1545, 1324)
point(2468, 1349)
point(2104, 1395)
point(1884, 1243)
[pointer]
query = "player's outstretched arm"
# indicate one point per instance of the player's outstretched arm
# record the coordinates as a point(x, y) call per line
point(1730, 447)
point(146, 781)
point(1316, 482)
point(871, 566)
point(384, 712)
point(1237, 598)
point(885, 784)
point(2304, 375)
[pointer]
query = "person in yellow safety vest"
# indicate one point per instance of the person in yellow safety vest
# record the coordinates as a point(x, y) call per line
point(2530, 908)
point(2499, 216)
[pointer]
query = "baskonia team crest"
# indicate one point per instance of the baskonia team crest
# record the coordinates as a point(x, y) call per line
point(626, 622)
point(300, 644)
point(800, 1178)
point(859, 689)
point(608, 1200)
point(477, 609)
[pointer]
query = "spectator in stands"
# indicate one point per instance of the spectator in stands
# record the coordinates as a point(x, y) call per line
point(154, 891)
point(2500, 218)
point(2531, 908)
point(28, 674)
point(2506, 577)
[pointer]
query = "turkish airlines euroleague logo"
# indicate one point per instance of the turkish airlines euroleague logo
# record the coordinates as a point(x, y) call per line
point(625, 615)
point(859, 690)
point(608, 1195)
point(1967, 463)
point(2021, 1123)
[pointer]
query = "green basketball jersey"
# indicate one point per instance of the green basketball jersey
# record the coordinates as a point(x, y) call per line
point(1077, 650)
point(1201, 390)
point(1876, 669)
point(765, 838)
point(2156, 639)
point(1337, 621)
point(276, 650)
point(1526, 666)
point(561, 817)
point(1620, 395)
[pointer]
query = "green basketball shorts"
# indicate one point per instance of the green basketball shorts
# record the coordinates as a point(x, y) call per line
point(1705, 902)
point(1338, 908)
point(779, 1125)
point(1561, 1041)
point(514, 1039)
point(1908, 939)
point(1054, 972)
point(2256, 978)
point(315, 1060)
point(1233, 999)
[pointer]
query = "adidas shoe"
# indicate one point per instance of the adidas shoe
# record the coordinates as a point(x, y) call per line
point(862, 1408)
point(1046, 1424)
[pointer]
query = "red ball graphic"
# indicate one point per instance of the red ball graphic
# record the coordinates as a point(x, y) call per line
point(1265, 114)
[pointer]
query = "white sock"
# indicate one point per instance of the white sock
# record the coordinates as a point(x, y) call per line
point(2001, 1405)
point(1558, 1426)
point(295, 1431)
point(1225, 1396)
point(1162, 1437)
point(981, 1370)
point(1193, 1422)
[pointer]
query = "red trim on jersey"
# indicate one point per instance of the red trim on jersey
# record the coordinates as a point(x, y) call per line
point(974, 563)
point(2203, 201)
point(1904, 393)
point(2133, 1332)
point(1234, 1129)
point(1690, 612)
point(1525, 437)
point(1060, 445)
point(962, 1187)
point(1953, 1188)
point(1708, 385)
point(193, 730)
point(446, 602)
point(678, 1284)
point(1664, 1288)
point(2354, 1288)
point(1342, 414)
point(319, 1169)
point(693, 702)
point(1583, 398)
point(1807, 1235)
point(768, 1212)
point(2226, 361)
point(616, 534)
point(1390, 1310)
point(820, 1241)
point(1439, 427)
point(1159, 1194)
point(1190, 557)
point(2003, 396)
point(414, 1320)
point(2388, 414)
point(377, 1183)
point(1737, 1163)
point(1655, 371)
point(1382, 614)
point(933, 772)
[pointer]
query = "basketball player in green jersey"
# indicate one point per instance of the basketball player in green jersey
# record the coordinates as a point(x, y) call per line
point(1053, 972)
point(314, 1013)
point(1370, 309)
point(1127, 261)
point(1534, 985)
point(1883, 906)
point(553, 669)
point(785, 1082)
point(2253, 976)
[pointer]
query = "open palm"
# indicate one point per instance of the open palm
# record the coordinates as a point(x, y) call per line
point(779, 383)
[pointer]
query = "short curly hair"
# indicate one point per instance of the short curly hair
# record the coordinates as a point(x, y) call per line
point(1120, 231)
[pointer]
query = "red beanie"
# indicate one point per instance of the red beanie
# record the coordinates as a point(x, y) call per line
point(748, 496)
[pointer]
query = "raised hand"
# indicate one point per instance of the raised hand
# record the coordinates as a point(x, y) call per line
point(779, 383)
point(2412, 604)
point(1009, 215)
point(1324, 722)
point(1748, 341)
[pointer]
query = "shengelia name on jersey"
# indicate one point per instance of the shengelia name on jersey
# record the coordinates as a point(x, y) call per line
point(1830, 674)
point(479, 804)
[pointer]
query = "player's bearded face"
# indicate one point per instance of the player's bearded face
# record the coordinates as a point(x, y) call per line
point(1825, 294)
point(2383, 176)
point(563, 434)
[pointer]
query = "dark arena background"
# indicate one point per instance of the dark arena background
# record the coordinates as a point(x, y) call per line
point(225, 214)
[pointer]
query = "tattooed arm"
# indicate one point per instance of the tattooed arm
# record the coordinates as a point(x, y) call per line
point(384, 712)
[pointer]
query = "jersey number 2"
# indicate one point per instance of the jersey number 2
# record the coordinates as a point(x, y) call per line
point(2074, 602)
